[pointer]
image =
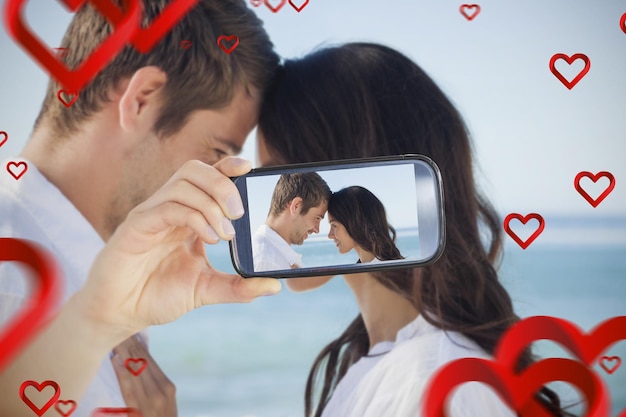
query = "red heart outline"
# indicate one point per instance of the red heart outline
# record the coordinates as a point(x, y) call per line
point(607, 369)
point(275, 9)
point(256, 3)
point(103, 411)
point(6, 137)
point(67, 104)
point(515, 390)
point(68, 413)
point(523, 220)
point(144, 39)
point(569, 60)
point(594, 178)
point(587, 347)
point(299, 9)
point(18, 176)
point(469, 17)
point(75, 80)
point(45, 295)
point(39, 387)
point(141, 367)
point(622, 23)
point(228, 39)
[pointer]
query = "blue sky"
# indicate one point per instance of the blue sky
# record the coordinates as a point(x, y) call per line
point(531, 134)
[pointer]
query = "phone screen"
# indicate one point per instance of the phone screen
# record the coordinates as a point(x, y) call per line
point(392, 202)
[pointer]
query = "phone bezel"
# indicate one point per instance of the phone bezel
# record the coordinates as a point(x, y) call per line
point(243, 239)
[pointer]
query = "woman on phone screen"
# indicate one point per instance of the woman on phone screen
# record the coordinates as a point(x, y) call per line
point(358, 221)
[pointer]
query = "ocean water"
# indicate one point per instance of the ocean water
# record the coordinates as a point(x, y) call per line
point(252, 360)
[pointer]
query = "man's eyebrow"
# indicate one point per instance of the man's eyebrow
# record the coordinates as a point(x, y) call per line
point(232, 148)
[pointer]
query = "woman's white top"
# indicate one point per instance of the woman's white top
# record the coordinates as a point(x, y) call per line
point(393, 384)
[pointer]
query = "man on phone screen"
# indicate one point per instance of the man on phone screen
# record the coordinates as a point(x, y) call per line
point(299, 203)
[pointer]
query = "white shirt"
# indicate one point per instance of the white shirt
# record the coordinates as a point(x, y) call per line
point(271, 252)
point(393, 384)
point(33, 208)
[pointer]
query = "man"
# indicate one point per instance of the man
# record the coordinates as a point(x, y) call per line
point(146, 130)
point(299, 203)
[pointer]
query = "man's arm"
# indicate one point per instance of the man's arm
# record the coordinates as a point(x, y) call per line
point(152, 271)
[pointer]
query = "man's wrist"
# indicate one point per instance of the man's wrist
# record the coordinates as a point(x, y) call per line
point(101, 335)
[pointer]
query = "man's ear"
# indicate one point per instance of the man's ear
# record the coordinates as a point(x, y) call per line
point(141, 99)
point(295, 206)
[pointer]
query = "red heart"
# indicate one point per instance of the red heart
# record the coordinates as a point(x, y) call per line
point(73, 98)
point(594, 178)
point(6, 137)
point(144, 39)
point(586, 347)
point(136, 370)
point(13, 168)
point(44, 298)
point(569, 60)
point(518, 391)
point(39, 387)
point(256, 3)
point(224, 38)
point(523, 244)
point(75, 80)
point(277, 8)
point(610, 369)
point(103, 412)
point(72, 407)
point(469, 16)
point(302, 6)
point(622, 23)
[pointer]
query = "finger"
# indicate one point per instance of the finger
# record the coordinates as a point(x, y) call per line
point(144, 229)
point(233, 166)
point(128, 386)
point(147, 377)
point(213, 182)
point(159, 389)
point(188, 194)
point(219, 287)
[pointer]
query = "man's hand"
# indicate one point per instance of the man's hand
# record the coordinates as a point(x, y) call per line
point(152, 271)
point(154, 268)
point(151, 392)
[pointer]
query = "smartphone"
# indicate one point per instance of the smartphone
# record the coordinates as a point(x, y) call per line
point(339, 217)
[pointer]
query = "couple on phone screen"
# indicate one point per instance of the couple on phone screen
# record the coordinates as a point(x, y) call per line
point(300, 201)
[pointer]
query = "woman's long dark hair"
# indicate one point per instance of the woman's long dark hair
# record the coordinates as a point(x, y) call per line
point(365, 219)
point(363, 100)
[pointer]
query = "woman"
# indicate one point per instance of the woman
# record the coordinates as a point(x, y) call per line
point(364, 100)
point(358, 221)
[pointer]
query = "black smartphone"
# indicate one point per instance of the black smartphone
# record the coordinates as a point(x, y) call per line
point(339, 217)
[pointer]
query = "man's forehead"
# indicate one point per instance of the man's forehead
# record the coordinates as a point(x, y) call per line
point(321, 208)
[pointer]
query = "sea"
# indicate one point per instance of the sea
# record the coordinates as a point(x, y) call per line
point(252, 360)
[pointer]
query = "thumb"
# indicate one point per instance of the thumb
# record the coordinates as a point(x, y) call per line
point(220, 287)
point(233, 166)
